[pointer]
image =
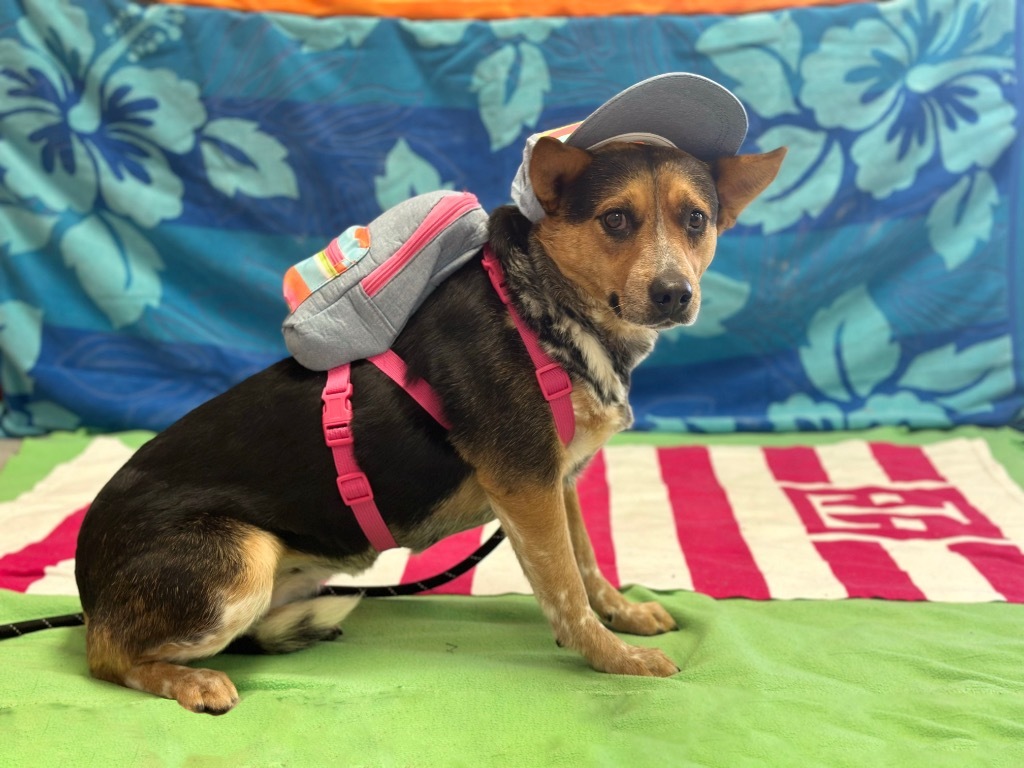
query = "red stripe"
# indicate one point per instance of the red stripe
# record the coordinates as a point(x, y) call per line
point(1001, 564)
point(905, 463)
point(20, 569)
point(592, 488)
point(867, 570)
point(443, 555)
point(719, 559)
point(796, 465)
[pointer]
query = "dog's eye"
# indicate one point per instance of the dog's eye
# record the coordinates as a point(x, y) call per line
point(615, 221)
point(696, 221)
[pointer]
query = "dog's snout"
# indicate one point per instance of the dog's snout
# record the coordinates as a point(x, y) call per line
point(670, 295)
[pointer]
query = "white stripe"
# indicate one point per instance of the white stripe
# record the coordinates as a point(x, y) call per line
point(66, 489)
point(940, 574)
point(59, 579)
point(771, 526)
point(643, 528)
point(851, 464)
point(968, 464)
point(499, 573)
point(386, 571)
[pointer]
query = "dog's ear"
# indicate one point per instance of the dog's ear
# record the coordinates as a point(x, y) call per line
point(553, 165)
point(740, 179)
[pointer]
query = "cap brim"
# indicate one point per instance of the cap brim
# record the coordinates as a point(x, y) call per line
point(696, 114)
point(692, 113)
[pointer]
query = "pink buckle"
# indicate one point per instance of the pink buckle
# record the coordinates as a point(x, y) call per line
point(337, 416)
point(554, 381)
point(355, 489)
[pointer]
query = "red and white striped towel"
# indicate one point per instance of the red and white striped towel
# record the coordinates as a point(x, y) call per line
point(940, 522)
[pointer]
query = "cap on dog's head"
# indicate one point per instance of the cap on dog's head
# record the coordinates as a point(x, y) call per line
point(677, 109)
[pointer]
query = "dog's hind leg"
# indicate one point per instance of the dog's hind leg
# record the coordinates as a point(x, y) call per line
point(608, 603)
point(298, 625)
point(296, 618)
point(143, 641)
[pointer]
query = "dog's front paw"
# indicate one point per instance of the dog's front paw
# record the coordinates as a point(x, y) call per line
point(640, 619)
point(642, 662)
point(205, 690)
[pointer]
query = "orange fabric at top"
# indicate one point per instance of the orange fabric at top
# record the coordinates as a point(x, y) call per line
point(504, 9)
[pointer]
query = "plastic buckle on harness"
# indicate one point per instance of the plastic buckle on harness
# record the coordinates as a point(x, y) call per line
point(355, 489)
point(337, 417)
point(554, 381)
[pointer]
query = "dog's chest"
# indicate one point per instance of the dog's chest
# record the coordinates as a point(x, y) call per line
point(596, 422)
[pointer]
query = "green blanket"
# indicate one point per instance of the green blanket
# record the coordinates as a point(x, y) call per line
point(451, 681)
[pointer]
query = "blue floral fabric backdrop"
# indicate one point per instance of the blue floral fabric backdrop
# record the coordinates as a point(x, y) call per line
point(160, 169)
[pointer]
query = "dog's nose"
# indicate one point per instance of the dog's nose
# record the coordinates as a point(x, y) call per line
point(671, 295)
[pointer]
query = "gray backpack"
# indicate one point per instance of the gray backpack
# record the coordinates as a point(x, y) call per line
point(350, 300)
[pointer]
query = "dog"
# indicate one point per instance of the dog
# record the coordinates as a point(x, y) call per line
point(225, 525)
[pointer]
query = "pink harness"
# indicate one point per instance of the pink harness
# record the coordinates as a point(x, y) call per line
point(353, 485)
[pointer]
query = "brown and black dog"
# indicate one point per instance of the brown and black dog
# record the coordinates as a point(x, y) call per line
point(224, 525)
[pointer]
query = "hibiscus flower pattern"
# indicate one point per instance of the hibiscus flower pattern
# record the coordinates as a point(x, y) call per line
point(918, 88)
point(910, 107)
point(162, 165)
point(88, 139)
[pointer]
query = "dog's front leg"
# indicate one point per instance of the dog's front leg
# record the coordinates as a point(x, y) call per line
point(619, 613)
point(535, 521)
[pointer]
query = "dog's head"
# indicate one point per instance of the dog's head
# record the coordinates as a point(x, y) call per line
point(635, 226)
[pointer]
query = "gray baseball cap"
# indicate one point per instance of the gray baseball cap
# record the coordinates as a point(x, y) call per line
point(676, 109)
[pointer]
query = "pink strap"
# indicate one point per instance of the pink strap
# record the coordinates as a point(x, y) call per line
point(553, 380)
point(353, 485)
point(392, 366)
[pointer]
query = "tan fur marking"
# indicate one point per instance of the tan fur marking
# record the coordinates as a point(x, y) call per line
point(467, 507)
point(535, 520)
point(614, 609)
point(158, 671)
point(198, 690)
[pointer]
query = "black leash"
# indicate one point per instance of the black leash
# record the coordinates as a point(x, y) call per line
point(19, 628)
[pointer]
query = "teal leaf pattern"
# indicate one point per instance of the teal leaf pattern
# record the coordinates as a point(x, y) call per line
point(47, 416)
point(758, 52)
point(962, 217)
point(721, 299)
point(20, 341)
point(435, 34)
point(965, 380)
point(533, 30)
point(903, 408)
point(799, 411)
point(24, 230)
point(807, 181)
point(506, 112)
point(325, 34)
point(850, 348)
point(116, 265)
point(405, 174)
point(239, 157)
